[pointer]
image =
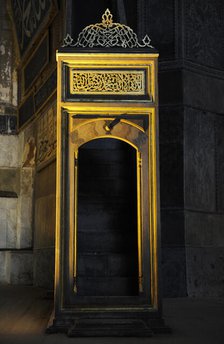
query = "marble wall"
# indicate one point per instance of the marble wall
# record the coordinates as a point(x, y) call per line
point(8, 220)
point(16, 180)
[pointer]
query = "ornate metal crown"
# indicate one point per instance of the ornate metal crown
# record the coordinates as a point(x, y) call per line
point(107, 34)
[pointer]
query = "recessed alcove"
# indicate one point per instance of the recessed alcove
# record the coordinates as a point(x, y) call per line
point(107, 248)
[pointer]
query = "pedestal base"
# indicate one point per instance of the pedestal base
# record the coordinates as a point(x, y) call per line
point(108, 327)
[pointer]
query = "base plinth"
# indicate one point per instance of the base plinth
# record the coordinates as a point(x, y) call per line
point(108, 327)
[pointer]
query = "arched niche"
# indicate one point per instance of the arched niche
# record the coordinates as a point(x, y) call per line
point(107, 236)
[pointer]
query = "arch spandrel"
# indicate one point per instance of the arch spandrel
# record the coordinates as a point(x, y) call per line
point(124, 131)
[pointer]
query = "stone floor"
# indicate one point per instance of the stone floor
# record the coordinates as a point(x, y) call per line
point(24, 313)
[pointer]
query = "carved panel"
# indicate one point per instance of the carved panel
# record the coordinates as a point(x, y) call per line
point(46, 136)
point(107, 82)
point(204, 28)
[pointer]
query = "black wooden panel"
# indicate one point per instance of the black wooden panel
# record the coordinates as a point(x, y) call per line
point(39, 60)
point(45, 91)
point(26, 111)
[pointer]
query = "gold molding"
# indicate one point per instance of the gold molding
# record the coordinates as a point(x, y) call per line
point(73, 166)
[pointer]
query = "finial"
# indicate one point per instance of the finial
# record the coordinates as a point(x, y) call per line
point(107, 18)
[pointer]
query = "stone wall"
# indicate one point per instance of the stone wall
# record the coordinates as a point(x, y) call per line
point(204, 147)
point(204, 219)
point(15, 181)
point(189, 36)
point(36, 71)
point(45, 199)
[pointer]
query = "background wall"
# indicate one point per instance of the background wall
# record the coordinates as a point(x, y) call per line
point(189, 37)
point(16, 181)
point(27, 159)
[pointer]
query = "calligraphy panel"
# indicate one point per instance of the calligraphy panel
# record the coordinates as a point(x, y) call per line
point(108, 82)
point(29, 17)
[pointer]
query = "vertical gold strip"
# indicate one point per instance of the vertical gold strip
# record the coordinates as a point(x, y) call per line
point(58, 188)
point(154, 208)
point(139, 218)
point(71, 171)
point(75, 190)
point(152, 79)
point(71, 80)
point(150, 205)
point(153, 211)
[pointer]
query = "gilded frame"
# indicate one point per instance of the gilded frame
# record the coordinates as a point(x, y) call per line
point(65, 113)
point(73, 168)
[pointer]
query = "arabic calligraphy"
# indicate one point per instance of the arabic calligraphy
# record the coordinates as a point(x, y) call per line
point(107, 82)
point(28, 15)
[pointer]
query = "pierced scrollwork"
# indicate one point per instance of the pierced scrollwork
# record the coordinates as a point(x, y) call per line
point(107, 82)
point(107, 34)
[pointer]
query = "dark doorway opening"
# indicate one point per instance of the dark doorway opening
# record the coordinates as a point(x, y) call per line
point(107, 248)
